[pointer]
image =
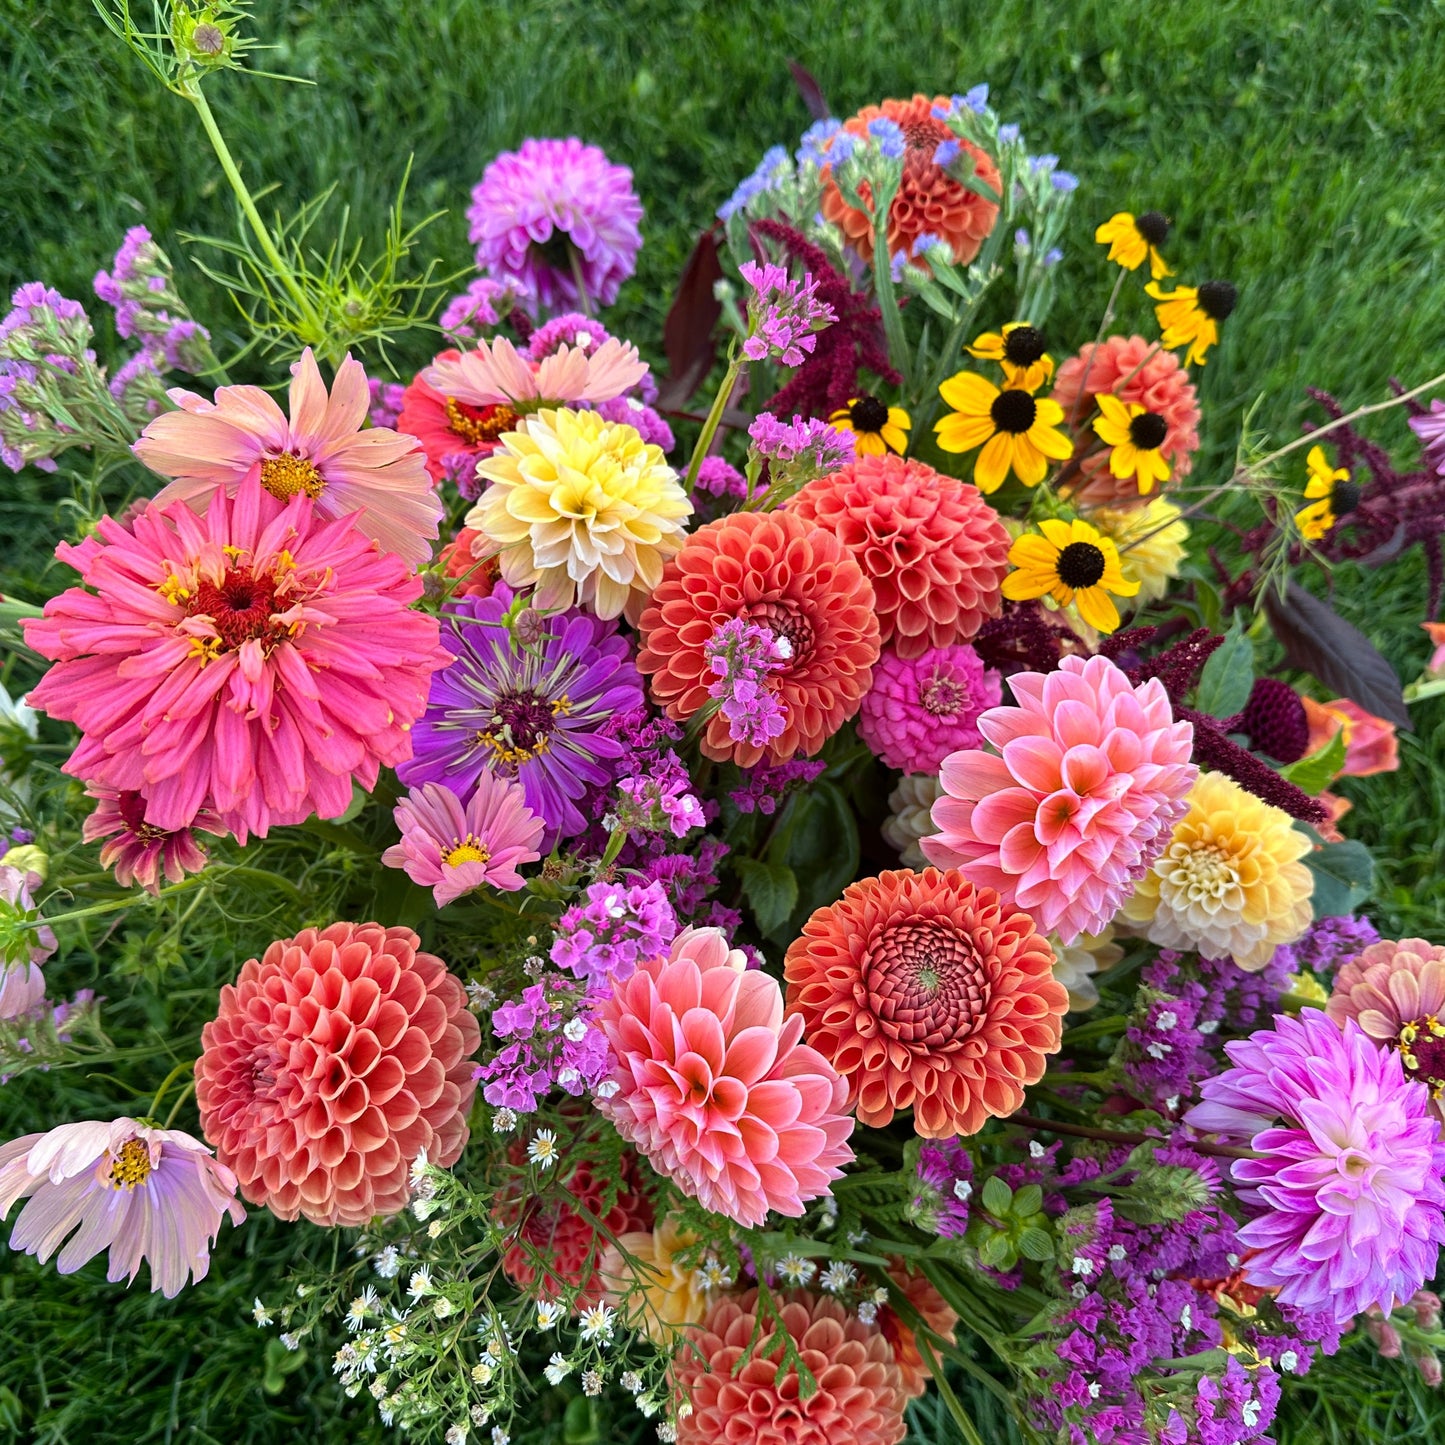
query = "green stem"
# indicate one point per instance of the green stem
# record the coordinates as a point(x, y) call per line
point(714, 416)
point(583, 303)
point(1095, 1028)
point(169, 1079)
point(180, 1099)
point(887, 298)
point(117, 904)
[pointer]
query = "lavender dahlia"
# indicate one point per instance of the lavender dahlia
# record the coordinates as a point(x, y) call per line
point(537, 713)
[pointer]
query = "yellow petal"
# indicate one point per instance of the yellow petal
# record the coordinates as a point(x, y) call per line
point(1058, 532)
point(895, 439)
point(958, 433)
point(1124, 459)
point(1032, 550)
point(993, 461)
point(1021, 587)
point(968, 392)
point(1097, 608)
point(899, 418)
point(1113, 410)
point(870, 444)
point(1051, 442)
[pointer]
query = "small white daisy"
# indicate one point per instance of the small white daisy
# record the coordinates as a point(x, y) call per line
point(837, 1277)
point(558, 1368)
point(388, 1262)
point(483, 1371)
point(542, 1148)
point(420, 1285)
point(795, 1269)
point(456, 1434)
point(292, 1342)
point(442, 1309)
point(868, 1312)
point(500, 1436)
point(631, 1381)
point(418, 1169)
point(591, 1382)
point(260, 1313)
point(504, 1121)
point(596, 1322)
point(549, 1311)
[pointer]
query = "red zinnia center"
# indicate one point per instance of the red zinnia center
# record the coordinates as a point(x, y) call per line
point(926, 983)
point(477, 425)
point(787, 620)
point(240, 607)
point(132, 809)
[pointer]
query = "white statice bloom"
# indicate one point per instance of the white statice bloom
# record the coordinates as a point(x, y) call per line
point(388, 1262)
point(838, 1277)
point(1172, 1103)
point(260, 1313)
point(596, 1322)
point(1117, 1252)
point(1083, 1265)
point(631, 1382)
point(1209, 1026)
point(557, 1369)
point(567, 1077)
point(1250, 1413)
point(1289, 1361)
point(868, 1312)
point(1094, 1389)
point(575, 1029)
point(910, 816)
point(1167, 1020)
point(962, 1190)
point(542, 1148)
point(591, 1382)
point(504, 1121)
point(1186, 1317)
point(1036, 1150)
point(420, 1285)
point(607, 1088)
point(549, 1311)
point(795, 1269)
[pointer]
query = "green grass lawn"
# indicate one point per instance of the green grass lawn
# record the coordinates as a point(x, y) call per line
point(1297, 145)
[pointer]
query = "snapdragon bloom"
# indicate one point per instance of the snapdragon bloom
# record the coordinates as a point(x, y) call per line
point(144, 1194)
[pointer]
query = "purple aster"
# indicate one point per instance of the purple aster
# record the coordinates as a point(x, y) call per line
point(537, 713)
point(1347, 1202)
point(553, 207)
point(1327, 943)
point(719, 478)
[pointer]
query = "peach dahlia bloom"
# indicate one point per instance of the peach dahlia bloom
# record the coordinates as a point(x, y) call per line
point(715, 1087)
point(646, 1281)
point(336, 1059)
point(938, 1315)
point(927, 993)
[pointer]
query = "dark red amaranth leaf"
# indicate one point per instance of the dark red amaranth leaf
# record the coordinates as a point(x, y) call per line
point(688, 332)
point(810, 90)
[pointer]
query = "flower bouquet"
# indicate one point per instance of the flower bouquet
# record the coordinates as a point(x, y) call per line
point(769, 911)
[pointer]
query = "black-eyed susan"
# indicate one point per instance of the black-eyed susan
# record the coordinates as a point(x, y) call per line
point(1134, 435)
point(877, 428)
point(1132, 240)
point(1022, 352)
point(1190, 315)
point(1018, 432)
point(1331, 495)
point(1071, 562)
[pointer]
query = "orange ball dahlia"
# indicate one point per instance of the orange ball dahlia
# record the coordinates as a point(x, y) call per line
point(929, 200)
point(860, 1399)
point(335, 1060)
point(937, 1313)
point(926, 992)
point(934, 550)
point(774, 570)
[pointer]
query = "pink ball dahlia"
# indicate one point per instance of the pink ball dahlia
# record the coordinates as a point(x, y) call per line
point(548, 205)
point(334, 1061)
point(1347, 1199)
point(934, 550)
point(715, 1087)
point(255, 661)
point(1090, 776)
point(743, 1386)
point(921, 709)
point(320, 452)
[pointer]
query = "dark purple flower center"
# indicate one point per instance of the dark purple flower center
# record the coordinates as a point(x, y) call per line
point(1024, 345)
point(1080, 564)
point(522, 724)
point(1013, 411)
point(1217, 299)
point(556, 251)
point(1153, 226)
point(1148, 430)
point(132, 810)
point(868, 414)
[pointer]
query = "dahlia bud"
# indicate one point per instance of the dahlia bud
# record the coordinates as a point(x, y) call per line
point(1429, 1367)
point(1426, 1305)
point(1385, 1336)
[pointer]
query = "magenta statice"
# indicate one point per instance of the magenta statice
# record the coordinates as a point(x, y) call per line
point(559, 218)
point(482, 306)
point(743, 656)
point(783, 314)
point(605, 938)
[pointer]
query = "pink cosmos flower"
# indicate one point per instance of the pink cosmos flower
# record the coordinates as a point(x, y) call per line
point(1435, 631)
point(452, 850)
point(497, 374)
point(144, 1194)
point(716, 1088)
point(254, 661)
point(320, 452)
point(22, 985)
point(1370, 742)
point(136, 850)
point(1090, 777)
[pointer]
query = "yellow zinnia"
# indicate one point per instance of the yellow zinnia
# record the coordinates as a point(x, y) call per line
point(1190, 315)
point(1331, 493)
point(877, 428)
point(1133, 240)
point(1071, 562)
point(1021, 350)
point(1151, 546)
point(583, 510)
point(1135, 436)
point(1017, 432)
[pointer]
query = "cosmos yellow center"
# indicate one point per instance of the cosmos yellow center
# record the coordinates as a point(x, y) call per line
point(469, 850)
point(131, 1166)
point(287, 475)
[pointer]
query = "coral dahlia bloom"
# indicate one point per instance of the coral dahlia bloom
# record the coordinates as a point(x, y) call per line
point(583, 510)
point(497, 375)
point(921, 709)
point(1123, 367)
point(929, 200)
point(1396, 993)
point(143, 1194)
point(934, 550)
point(255, 660)
point(1229, 884)
point(937, 1314)
point(320, 452)
point(335, 1059)
point(1370, 742)
point(1347, 1199)
point(773, 570)
point(742, 1385)
point(715, 1087)
point(139, 852)
point(927, 993)
point(454, 434)
point(649, 1285)
point(1089, 779)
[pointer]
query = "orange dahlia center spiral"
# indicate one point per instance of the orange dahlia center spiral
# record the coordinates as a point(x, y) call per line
point(926, 983)
point(288, 475)
point(786, 620)
point(240, 607)
point(478, 424)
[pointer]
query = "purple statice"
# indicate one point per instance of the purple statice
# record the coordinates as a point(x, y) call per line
point(484, 304)
point(1429, 426)
point(536, 712)
point(619, 926)
point(763, 787)
point(690, 879)
point(1235, 1407)
point(1345, 1201)
point(1327, 943)
point(1165, 1050)
point(719, 478)
point(773, 168)
point(554, 213)
point(648, 422)
point(572, 329)
point(660, 804)
point(743, 655)
point(140, 288)
point(136, 385)
point(44, 326)
point(944, 1187)
point(386, 402)
point(783, 314)
point(888, 134)
point(802, 442)
point(944, 155)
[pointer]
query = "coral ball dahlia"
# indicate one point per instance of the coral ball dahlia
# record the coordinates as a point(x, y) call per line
point(929, 993)
point(744, 1386)
point(715, 1086)
point(777, 571)
point(335, 1060)
point(934, 550)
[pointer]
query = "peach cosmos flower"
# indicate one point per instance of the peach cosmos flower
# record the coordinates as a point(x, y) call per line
point(497, 374)
point(320, 451)
point(716, 1088)
point(1370, 742)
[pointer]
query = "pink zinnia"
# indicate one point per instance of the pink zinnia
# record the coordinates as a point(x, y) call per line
point(920, 709)
point(22, 985)
point(716, 1088)
point(138, 851)
point(255, 661)
point(320, 452)
point(144, 1194)
point(452, 850)
point(1347, 1201)
point(1090, 777)
point(496, 374)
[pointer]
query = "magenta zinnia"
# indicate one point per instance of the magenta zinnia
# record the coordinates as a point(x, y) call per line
point(1346, 1199)
point(139, 852)
point(256, 660)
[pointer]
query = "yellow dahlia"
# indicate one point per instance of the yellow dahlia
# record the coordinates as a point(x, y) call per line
point(1151, 544)
point(645, 1281)
point(1230, 884)
point(1330, 493)
point(583, 510)
point(1071, 562)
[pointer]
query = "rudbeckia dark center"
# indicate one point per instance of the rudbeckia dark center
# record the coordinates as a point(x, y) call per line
point(1153, 226)
point(1024, 345)
point(1148, 430)
point(1217, 298)
point(1013, 411)
point(868, 414)
point(1081, 564)
point(1344, 498)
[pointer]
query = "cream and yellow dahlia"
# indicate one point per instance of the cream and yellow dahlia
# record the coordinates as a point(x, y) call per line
point(583, 510)
point(1230, 884)
point(645, 1278)
point(1151, 544)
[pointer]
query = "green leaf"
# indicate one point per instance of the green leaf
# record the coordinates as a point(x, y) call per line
point(1027, 1202)
point(818, 840)
point(1228, 676)
point(997, 1196)
point(579, 1424)
point(1344, 877)
point(1036, 1244)
point(771, 890)
point(997, 1251)
point(1315, 773)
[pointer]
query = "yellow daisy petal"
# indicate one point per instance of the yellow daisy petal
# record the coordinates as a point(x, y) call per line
point(871, 444)
point(899, 418)
point(1097, 608)
point(1124, 459)
point(968, 392)
point(1051, 442)
point(1058, 532)
point(993, 462)
point(959, 433)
